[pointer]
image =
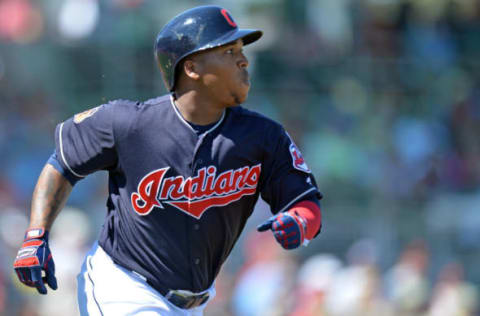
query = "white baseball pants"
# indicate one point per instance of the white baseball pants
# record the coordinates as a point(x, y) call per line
point(106, 289)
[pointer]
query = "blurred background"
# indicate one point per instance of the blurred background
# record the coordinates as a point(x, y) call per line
point(382, 97)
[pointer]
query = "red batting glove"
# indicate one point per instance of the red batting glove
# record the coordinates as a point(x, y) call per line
point(32, 258)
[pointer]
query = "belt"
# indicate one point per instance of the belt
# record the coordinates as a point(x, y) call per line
point(186, 299)
point(181, 298)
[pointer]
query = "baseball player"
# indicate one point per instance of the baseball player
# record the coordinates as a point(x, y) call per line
point(185, 171)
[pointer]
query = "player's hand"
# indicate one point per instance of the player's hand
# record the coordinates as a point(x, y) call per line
point(288, 229)
point(32, 258)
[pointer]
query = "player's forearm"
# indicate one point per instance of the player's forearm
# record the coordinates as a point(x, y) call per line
point(49, 197)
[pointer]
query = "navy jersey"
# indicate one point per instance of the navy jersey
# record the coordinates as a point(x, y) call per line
point(178, 201)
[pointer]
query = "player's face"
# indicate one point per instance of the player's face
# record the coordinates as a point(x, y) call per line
point(223, 73)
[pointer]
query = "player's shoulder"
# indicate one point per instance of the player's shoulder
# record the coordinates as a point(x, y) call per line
point(120, 107)
point(163, 100)
point(123, 103)
point(139, 105)
point(128, 108)
point(254, 117)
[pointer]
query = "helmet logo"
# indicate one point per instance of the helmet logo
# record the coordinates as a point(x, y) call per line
point(228, 17)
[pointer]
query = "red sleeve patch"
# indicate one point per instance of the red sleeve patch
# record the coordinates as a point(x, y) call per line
point(297, 159)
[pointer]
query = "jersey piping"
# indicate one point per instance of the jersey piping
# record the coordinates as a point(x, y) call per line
point(172, 102)
point(296, 198)
point(63, 156)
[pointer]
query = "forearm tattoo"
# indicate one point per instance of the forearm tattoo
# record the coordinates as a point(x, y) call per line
point(49, 197)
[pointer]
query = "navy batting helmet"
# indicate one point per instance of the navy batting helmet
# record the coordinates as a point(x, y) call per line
point(195, 30)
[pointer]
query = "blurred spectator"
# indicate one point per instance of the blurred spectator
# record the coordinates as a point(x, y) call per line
point(452, 295)
point(264, 286)
point(406, 283)
point(315, 281)
point(357, 289)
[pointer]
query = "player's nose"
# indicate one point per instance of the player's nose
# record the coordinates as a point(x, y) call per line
point(243, 61)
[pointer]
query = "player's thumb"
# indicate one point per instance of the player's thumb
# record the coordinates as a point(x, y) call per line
point(50, 275)
point(266, 225)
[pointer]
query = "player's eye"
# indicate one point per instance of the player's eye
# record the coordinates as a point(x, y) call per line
point(229, 51)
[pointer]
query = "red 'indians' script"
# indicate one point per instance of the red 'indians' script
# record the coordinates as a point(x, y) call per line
point(194, 195)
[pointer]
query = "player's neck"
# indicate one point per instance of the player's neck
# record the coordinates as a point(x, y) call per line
point(198, 110)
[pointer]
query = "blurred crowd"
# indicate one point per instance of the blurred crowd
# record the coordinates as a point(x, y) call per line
point(274, 283)
point(381, 96)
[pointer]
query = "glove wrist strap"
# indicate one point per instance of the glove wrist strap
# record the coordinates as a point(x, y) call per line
point(36, 233)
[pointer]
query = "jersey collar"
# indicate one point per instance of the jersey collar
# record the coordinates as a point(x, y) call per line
point(179, 115)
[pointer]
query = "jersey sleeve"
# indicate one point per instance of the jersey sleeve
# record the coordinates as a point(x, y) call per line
point(85, 143)
point(53, 160)
point(287, 176)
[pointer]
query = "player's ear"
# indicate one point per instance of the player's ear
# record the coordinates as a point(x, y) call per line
point(190, 69)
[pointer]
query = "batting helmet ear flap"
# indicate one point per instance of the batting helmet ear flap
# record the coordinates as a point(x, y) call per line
point(192, 31)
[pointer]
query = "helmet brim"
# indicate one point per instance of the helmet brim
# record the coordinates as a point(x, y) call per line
point(246, 35)
point(249, 36)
